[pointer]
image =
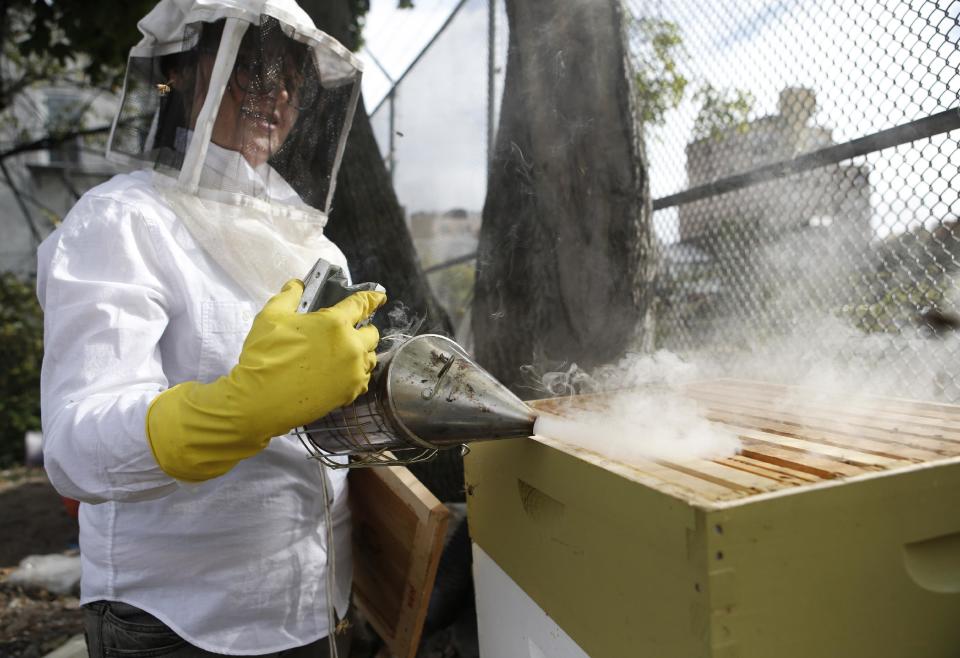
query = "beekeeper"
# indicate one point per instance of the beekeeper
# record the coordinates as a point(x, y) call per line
point(174, 370)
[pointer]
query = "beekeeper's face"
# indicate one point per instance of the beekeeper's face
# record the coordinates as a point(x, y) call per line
point(262, 99)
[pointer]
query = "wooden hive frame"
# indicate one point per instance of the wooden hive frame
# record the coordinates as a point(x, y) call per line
point(790, 437)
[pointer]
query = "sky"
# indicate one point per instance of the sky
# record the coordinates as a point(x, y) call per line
point(873, 64)
point(440, 106)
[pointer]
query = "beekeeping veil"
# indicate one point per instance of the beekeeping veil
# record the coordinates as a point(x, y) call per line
point(242, 108)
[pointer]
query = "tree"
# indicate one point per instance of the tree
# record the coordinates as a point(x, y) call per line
point(659, 84)
point(65, 42)
point(21, 351)
point(68, 43)
point(367, 221)
point(82, 41)
point(566, 260)
point(721, 112)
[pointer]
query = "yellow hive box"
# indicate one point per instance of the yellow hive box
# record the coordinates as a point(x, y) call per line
point(834, 533)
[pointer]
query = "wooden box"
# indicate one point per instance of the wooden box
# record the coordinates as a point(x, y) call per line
point(834, 533)
point(398, 533)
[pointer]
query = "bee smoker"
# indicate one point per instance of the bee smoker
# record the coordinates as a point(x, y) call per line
point(426, 394)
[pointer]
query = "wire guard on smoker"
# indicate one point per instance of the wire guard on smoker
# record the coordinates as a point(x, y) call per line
point(426, 394)
point(362, 432)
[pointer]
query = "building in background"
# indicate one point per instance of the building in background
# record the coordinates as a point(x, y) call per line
point(782, 248)
point(441, 237)
point(834, 201)
point(44, 183)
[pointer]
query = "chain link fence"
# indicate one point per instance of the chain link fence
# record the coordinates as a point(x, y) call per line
point(804, 168)
point(433, 134)
point(805, 174)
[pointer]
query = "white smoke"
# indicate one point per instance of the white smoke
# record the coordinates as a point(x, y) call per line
point(641, 411)
point(651, 420)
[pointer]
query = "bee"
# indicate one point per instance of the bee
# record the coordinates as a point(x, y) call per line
point(163, 88)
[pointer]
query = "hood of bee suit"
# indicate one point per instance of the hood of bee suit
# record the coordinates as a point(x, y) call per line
point(242, 109)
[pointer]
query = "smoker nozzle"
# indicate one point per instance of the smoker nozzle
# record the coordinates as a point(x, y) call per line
point(425, 394)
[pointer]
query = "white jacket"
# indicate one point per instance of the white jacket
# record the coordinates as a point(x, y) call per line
point(133, 306)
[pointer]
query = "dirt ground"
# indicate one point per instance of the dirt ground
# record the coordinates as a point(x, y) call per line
point(35, 623)
point(34, 522)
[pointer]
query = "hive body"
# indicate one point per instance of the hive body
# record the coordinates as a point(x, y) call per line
point(836, 532)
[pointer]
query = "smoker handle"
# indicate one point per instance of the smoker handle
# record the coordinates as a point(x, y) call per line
point(326, 284)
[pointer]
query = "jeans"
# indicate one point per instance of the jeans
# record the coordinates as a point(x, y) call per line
point(119, 630)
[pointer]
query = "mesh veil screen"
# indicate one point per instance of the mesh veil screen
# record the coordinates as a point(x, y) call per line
point(277, 131)
point(158, 103)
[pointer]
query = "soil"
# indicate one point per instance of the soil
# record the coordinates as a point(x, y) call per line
point(35, 522)
point(34, 623)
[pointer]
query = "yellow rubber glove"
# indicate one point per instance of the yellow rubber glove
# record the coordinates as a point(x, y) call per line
point(293, 369)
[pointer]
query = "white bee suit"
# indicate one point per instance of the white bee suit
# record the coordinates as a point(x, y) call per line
point(154, 279)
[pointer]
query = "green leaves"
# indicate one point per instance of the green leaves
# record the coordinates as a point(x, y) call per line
point(21, 354)
point(659, 84)
point(68, 41)
point(721, 111)
point(99, 33)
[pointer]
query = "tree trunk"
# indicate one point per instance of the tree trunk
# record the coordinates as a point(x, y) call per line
point(566, 260)
point(367, 221)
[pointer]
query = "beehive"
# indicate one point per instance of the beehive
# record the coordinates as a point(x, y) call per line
point(834, 532)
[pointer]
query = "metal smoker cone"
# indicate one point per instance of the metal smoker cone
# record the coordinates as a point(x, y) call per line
point(436, 393)
point(425, 394)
